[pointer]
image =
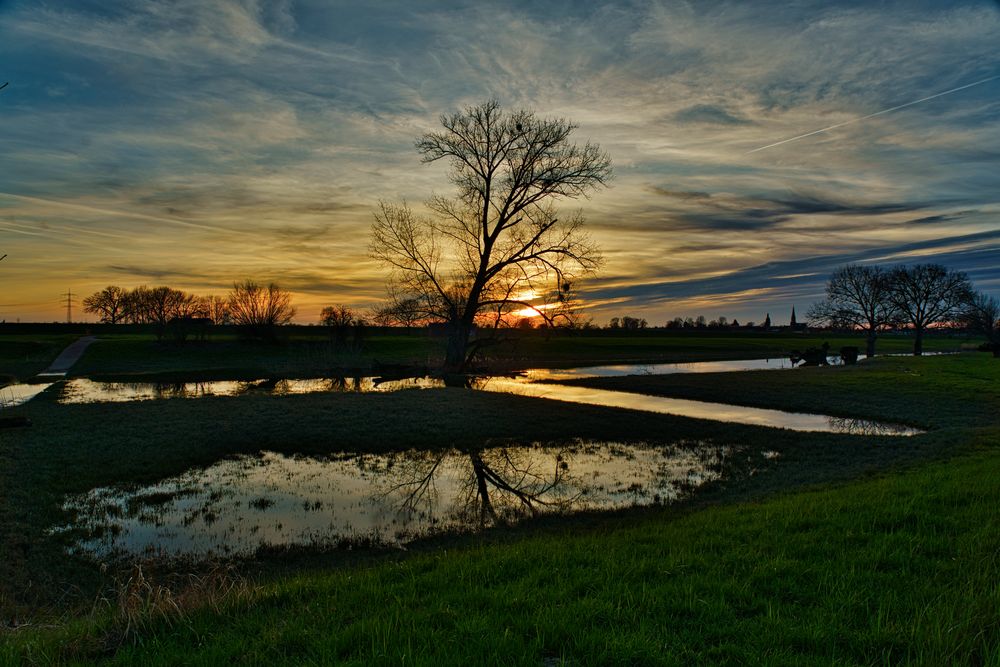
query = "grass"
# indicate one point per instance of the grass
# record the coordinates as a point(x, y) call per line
point(24, 355)
point(897, 570)
point(899, 567)
point(931, 392)
point(311, 353)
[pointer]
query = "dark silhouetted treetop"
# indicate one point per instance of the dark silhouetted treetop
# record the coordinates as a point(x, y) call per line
point(497, 246)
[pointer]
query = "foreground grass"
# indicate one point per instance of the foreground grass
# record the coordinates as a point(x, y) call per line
point(899, 570)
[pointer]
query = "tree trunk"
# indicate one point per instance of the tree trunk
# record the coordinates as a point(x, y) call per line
point(870, 345)
point(458, 345)
point(918, 342)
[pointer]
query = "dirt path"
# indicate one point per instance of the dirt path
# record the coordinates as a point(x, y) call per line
point(67, 358)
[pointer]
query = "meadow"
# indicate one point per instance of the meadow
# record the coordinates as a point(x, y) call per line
point(834, 549)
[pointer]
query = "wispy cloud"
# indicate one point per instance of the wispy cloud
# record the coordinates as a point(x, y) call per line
point(202, 140)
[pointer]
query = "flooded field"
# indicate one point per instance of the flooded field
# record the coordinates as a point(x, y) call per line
point(737, 414)
point(240, 505)
point(82, 390)
point(15, 394)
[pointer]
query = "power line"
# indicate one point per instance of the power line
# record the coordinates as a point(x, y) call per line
point(69, 306)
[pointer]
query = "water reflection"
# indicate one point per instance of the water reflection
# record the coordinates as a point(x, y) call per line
point(88, 391)
point(16, 394)
point(81, 390)
point(739, 414)
point(724, 366)
point(240, 505)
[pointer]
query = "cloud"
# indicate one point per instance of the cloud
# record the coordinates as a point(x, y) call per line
point(708, 114)
point(255, 137)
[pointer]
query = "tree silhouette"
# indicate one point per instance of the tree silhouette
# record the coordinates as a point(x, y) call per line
point(497, 246)
point(928, 294)
point(982, 314)
point(260, 309)
point(109, 304)
point(860, 297)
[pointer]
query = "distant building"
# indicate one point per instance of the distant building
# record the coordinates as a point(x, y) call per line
point(793, 324)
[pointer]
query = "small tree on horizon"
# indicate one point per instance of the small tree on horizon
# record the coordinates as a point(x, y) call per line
point(259, 309)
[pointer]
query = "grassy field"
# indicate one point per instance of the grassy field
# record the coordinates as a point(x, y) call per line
point(894, 560)
point(24, 355)
point(311, 353)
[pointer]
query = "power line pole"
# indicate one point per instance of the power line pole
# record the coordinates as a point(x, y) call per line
point(69, 306)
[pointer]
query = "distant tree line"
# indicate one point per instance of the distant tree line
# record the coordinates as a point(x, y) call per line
point(257, 309)
point(919, 297)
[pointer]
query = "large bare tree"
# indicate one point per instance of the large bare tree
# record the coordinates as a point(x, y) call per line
point(497, 246)
point(928, 294)
point(860, 297)
point(109, 304)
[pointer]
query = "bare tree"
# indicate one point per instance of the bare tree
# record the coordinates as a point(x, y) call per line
point(497, 246)
point(399, 312)
point(336, 316)
point(857, 297)
point(217, 309)
point(163, 304)
point(259, 309)
point(339, 318)
point(982, 315)
point(109, 304)
point(928, 294)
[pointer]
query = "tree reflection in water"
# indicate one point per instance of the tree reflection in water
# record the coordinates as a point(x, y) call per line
point(239, 505)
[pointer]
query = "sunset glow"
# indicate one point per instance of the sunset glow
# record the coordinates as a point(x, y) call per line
point(196, 143)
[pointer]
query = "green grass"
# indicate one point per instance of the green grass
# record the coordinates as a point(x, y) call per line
point(932, 392)
point(899, 567)
point(226, 357)
point(898, 570)
point(24, 355)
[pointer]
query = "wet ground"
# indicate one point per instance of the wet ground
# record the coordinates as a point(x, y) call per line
point(240, 505)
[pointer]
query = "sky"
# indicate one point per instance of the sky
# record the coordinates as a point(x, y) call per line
point(197, 142)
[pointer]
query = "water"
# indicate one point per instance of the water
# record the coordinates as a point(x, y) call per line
point(81, 390)
point(619, 370)
point(240, 505)
point(738, 414)
point(16, 394)
point(725, 366)
point(88, 391)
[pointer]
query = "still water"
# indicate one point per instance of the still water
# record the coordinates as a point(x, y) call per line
point(88, 391)
point(240, 505)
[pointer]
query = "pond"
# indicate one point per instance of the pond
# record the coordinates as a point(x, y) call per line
point(244, 504)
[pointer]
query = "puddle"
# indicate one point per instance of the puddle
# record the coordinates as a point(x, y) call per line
point(88, 391)
point(619, 370)
point(16, 394)
point(81, 390)
point(240, 505)
point(796, 421)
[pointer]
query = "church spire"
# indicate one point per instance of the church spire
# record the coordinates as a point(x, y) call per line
point(793, 322)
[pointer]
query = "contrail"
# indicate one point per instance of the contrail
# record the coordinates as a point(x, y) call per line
point(877, 113)
point(124, 214)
